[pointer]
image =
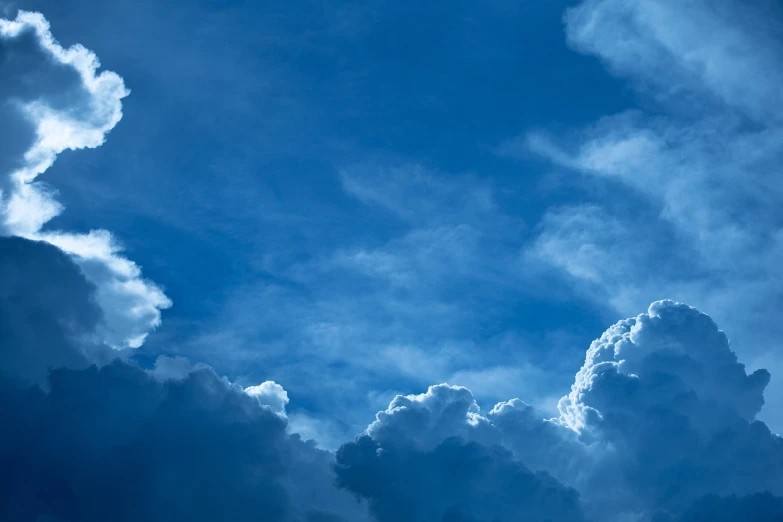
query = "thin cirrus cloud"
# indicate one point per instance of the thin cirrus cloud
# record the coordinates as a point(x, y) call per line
point(54, 99)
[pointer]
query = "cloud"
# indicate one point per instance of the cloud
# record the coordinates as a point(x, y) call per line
point(117, 443)
point(761, 507)
point(47, 310)
point(420, 461)
point(175, 442)
point(661, 415)
point(269, 394)
point(54, 99)
point(691, 181)
point(662, 402)
point(702, 48)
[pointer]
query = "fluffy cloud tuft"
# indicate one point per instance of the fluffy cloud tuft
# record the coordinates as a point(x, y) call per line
point(271, 395)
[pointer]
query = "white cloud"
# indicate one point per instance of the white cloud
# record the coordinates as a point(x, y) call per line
point(269, 394)
point(74, 112)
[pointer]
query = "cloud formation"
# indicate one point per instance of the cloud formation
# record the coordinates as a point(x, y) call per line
point(693, 174)
point(117, 444)
point(660, 417)
point(659, 426)
point(54, 99)
point(420, 460)
point(670, 413)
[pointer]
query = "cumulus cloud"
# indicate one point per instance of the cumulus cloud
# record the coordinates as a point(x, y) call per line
point(421, 460)
point(659, 426)
point(175, 442)
point(669, 413)
point(269, 394)
point(661, 416)
point(118, 444)
point(54, 99)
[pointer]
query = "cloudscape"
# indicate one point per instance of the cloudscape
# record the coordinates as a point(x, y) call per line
point(380, 261)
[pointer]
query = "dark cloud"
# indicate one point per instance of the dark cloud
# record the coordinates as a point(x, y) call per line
point(661, 416)
point(118, 444)
point(124, 444)
point(454, 481)
point(761, 507)
point(421, 461)
point(47, 310)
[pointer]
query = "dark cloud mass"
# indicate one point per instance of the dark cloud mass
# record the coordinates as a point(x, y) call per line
point(454, 481)
point(47, 310)
point(117, 444)
point(124, 444)
point(659, 426)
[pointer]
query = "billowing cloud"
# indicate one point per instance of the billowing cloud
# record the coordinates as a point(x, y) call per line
point(118, 444)
point(661, 416)
point(662, 401)
point(417, 462)
point(660, 424)
point(175, 442)
point(54, 99)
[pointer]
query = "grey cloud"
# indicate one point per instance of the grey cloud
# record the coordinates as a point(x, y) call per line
point(118, 444)
point(454, 481)
point(47, 310)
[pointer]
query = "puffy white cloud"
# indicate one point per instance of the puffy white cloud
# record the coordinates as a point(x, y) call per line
point(671, 339)
point(271, 395)
point(434, 457)
point(662, 401)
point(55, 99)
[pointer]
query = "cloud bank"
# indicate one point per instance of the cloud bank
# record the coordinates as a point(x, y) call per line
point(659, 425)
point(54, 99)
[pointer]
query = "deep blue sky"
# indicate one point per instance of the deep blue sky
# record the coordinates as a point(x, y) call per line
point(341, 195)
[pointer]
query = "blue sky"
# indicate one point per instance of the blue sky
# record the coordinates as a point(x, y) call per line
point(358, 200)
point(277, 159)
